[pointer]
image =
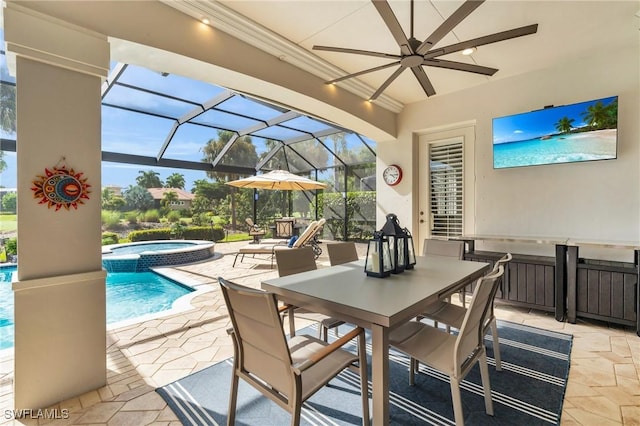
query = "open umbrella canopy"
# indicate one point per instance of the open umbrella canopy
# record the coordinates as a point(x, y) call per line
point(278, 180)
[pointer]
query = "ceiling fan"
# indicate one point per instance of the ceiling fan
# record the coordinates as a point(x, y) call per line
point(416, 54)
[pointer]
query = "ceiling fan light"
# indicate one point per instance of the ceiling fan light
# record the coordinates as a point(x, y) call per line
point(468, 51)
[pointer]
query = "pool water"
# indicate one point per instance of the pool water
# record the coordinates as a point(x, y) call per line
point(139, 248)
point(129, 295)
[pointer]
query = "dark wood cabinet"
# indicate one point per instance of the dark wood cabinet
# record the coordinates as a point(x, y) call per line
point(528, 280)
point(566, 284)
point(606, 291)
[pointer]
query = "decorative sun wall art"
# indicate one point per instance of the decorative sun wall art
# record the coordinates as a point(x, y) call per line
point(61, 187)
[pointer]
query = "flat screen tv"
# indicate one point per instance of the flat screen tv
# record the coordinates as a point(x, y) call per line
point(584, 131)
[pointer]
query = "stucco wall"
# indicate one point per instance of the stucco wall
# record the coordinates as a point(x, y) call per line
point(597, 200)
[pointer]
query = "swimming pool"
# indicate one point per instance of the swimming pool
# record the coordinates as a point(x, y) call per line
point(129, 295)
point(141, 256)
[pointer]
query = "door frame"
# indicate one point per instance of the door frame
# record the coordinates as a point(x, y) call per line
point(421, 198)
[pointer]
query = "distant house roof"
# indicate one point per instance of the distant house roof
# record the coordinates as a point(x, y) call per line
point(158, 193)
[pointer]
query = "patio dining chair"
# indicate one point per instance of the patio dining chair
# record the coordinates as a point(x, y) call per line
point(453, 315)
point(451, 354)
point(342, 252)
point(284, 228)
point(255, 231)
point(293, 262)
point(287, 372)
point(447, 248)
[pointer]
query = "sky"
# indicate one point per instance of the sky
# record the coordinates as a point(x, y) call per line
point(128, 132)
point(533, 124)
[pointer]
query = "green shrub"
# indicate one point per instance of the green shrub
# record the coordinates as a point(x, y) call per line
point(360, 210)
point(151, 216)
point(150, 234)
point(203, 233)
point(202, 219)
point(11, 245)
point(186, 232)
point(131, 217)
point(173, 216)
point(177, 230)
point(220, 221)
point(111, 219)
point(109, 238)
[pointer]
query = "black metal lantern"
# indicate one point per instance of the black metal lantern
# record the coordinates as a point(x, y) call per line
point(410, 250)
point(397, 243)
point(378, 260)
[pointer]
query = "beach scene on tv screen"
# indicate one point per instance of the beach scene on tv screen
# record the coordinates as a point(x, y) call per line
point(584, 131)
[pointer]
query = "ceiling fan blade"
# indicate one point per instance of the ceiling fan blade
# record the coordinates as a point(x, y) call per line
point(460, 66)
point(481, 41)
point(357, 52)
point(381, 67)
point(392, 23)
point(387, 82)
point(424, 80)
point(449, 24)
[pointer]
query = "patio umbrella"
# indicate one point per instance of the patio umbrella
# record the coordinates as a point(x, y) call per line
point(278, 180)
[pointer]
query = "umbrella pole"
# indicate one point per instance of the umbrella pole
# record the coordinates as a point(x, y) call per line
point(255, 205)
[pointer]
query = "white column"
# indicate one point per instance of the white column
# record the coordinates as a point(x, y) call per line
point(60, 320)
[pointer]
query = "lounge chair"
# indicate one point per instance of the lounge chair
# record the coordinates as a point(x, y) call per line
point(306, 238)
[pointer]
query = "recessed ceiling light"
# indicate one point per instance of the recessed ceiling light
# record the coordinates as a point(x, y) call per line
point(205, 21)
point(468, 51)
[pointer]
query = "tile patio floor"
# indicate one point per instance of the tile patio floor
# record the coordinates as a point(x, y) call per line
point(603, 388)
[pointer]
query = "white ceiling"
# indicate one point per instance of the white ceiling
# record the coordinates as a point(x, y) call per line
point(289, 30)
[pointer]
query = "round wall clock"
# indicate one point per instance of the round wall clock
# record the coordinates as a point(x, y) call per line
point(392, 175)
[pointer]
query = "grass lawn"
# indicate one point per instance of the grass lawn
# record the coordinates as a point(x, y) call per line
point(8, 222)
point(236, 237)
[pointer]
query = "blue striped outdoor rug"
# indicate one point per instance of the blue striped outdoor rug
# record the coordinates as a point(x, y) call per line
point(528, 391)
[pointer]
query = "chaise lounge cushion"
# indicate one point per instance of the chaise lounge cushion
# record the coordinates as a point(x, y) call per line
point(269, 248)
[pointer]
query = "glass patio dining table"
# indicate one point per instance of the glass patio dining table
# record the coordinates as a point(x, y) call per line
point(377, 304)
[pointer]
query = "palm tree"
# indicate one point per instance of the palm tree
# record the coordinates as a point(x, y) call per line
point(242, 152)
point(596, 115)
point(175, 180)
point(168, 198)
point(611, 121)
point(564, 124)
point(149, 179)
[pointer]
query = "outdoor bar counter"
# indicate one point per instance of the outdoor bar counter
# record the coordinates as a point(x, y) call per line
point(566, 284)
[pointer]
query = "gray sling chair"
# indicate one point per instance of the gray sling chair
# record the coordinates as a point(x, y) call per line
point(342, 252)
point(287, 372)
point(453, 315)
point(447, 248)
point(291, 262)
point(453, 355)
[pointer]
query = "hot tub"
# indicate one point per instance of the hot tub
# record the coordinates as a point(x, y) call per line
point(140, 256)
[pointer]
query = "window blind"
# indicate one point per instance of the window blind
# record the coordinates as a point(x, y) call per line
point(446, 187)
